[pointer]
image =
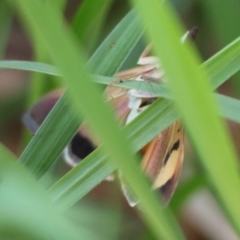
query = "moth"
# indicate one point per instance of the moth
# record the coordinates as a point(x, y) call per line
point(162, 157)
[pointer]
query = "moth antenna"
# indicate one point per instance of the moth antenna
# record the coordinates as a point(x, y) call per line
point(190, 35)
point(146, 51)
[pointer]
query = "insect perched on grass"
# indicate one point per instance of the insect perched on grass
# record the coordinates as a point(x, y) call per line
point(162, 157)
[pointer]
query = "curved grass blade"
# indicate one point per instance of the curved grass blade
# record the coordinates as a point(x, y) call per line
point(190, 86)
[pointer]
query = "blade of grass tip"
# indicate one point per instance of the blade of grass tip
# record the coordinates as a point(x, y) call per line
point(196, 104)
point(98, 116)
point(41, 219)
point(61, 117)
point(30, 66)
point(230, 107)
point(88, 21)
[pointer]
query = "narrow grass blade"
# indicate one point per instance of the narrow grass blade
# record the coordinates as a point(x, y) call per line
point(223, 64)
point(190, 86)
point(230, 107)
point(120, 43)
point(88, 21)
point(51, 138)
point(30, 66)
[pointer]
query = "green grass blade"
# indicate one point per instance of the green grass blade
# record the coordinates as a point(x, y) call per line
point(95, 168)
point(30, 66)
point(223, 64)
point(88, 21)
point(219, 68)
point(98, 116)
point(105, 58)
point(230, 107)
point(217, 73)
point(25, 208)
point(193, 95)
point(49, 141)
point(227, 62)
point(37, 156)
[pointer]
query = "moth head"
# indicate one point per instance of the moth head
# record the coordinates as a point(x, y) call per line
point(190, 35)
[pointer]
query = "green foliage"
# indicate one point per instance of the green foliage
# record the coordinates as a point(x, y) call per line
point(187, 95)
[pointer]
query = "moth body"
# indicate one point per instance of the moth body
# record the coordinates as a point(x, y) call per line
point(162, 157)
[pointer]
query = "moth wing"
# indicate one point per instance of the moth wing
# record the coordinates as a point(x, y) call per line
point(35, 116)
point(119, 100)
point(163, 158)
point(85, 141)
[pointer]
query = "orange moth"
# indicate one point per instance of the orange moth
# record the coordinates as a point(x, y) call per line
point(162, 157)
